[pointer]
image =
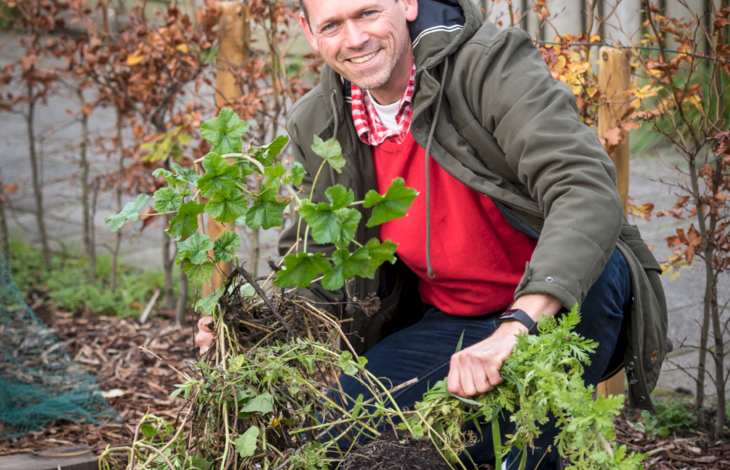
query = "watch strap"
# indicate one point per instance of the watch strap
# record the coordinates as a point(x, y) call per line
point(520, 316)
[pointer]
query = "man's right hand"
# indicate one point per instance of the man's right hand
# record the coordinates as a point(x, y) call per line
point(204, 338)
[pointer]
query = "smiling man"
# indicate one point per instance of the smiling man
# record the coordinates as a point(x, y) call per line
point(517, 215)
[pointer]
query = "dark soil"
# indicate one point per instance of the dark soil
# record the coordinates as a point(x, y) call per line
point(388, 453)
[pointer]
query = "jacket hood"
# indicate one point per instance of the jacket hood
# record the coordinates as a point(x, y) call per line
point(440, 28)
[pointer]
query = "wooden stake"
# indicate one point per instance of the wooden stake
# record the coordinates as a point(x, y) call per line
point(234, 40)
point(614, 78)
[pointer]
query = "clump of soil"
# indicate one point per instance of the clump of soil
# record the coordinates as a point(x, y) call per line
point(388, 453)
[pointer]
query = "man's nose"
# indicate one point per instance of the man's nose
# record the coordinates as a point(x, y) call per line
point(355, 35)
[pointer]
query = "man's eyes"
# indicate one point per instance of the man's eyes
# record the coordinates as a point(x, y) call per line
point(328, 28)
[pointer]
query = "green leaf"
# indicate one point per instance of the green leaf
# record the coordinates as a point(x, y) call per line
point(461, 341)
point(332, 223)
point(358, 406)
point(129, 213)
point(246, 444)
point(188, 175)
point(267, 154)
point(379, 254)
point(227, 207)
point(199, 463)
point(263, 404)
point(170, 179)
point(195, 249)
point(297, 174)
point(330, 151)
point(266, 211)
point(207, 304)
point(345, 363)
point(392, 205)
point(185, 223)
point(149, 431)
point(224, 132)
point(349, 220)
point(224, 245)
point(273, 172)
point(347, 265)
point(198, 273)
point(248, 291)
point(299, 270)
point(219, 177)
point(167, 200)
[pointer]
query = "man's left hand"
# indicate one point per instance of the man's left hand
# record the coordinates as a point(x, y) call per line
point(475, 370)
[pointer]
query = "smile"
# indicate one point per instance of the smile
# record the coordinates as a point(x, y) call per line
point(363, 59)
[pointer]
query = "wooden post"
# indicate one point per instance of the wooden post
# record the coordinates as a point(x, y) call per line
point(614, 78)
point(233, 47)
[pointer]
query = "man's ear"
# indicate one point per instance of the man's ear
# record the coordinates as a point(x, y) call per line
point(411, 7)
point(307, 31)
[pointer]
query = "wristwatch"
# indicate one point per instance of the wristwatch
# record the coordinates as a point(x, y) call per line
point(520, 316)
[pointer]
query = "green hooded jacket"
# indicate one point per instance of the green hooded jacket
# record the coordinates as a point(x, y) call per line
point(506, 128)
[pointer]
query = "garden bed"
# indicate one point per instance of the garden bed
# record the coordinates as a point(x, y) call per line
point(109, 349)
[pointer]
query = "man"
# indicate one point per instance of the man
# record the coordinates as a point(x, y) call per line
point(517, 206)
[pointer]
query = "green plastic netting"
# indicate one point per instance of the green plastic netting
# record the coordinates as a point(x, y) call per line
point(39, 381)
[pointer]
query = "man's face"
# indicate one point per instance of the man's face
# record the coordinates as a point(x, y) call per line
point(362, 40)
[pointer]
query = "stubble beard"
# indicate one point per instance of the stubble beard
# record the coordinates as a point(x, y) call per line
point(380, 77)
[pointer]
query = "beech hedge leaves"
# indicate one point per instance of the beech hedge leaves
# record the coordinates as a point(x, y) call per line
point(333, 222)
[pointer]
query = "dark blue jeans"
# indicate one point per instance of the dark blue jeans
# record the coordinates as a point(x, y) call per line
point(424, 350)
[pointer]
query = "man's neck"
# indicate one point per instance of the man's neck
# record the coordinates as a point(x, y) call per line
point(394, 88)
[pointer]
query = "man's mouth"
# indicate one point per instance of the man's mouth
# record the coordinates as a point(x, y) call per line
point(363, 59)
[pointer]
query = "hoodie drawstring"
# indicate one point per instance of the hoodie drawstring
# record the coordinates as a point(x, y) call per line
point(333, 100)
point(429, 268)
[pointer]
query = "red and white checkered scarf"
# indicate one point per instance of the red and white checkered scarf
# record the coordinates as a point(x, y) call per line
point(370, 128)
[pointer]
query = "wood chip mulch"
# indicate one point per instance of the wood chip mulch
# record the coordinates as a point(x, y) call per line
point(109, 349)
point(136, 381)
point(686, 450)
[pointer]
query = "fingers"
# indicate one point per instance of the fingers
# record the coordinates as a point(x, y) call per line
point(475, 370)
point(467, 375)
point(204, 338)
point(204, 322)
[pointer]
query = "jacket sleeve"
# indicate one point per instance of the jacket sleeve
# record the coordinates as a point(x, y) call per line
point(324, 299)
point(560, 161)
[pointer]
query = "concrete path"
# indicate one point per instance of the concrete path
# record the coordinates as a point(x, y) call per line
point(60, 134)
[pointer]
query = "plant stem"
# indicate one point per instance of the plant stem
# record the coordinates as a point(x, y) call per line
point(167, 264)
point(314, 183)
point(118, 190)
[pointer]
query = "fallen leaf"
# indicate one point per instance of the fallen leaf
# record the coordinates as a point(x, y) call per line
point(113, 393)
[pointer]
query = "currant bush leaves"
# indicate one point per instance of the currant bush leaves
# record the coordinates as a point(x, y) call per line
point(220, 177)
point(300, 270)
point(333, 221)
point(224, 132)
point(392, 205)
point(130, 213)
point(185, 223)
point(330, 151)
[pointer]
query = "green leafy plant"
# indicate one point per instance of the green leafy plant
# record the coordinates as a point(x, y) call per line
point(61, 282)
point(670, 416)
point(542, 376)
point(224, 184)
